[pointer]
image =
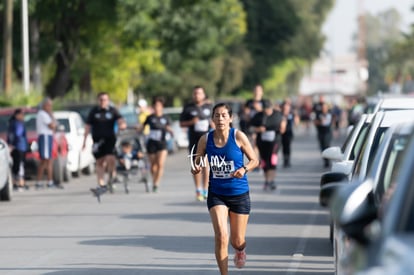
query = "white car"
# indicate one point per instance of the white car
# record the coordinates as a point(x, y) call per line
point(6, 182)
point(79, 158)
point(180, 133)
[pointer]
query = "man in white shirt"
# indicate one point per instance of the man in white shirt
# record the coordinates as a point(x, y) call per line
point(45, 126)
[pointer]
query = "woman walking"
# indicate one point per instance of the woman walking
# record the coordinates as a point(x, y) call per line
point(159, 125)
point(228, 194)
point(17, 140)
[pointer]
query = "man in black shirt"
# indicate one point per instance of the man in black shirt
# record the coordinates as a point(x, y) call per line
point(197, 117)
point(101, 123)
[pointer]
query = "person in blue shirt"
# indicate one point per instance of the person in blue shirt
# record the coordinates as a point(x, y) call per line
point(17, 141)
point(228, 196)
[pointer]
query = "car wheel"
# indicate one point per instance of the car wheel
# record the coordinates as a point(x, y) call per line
point(6, 192)
point(57, 170)
point(67, 175)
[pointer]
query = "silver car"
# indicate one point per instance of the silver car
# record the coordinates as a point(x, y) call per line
point(6, 182)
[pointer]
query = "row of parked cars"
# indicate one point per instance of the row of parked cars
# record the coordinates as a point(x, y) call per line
point(370, 192)
point(70, 159)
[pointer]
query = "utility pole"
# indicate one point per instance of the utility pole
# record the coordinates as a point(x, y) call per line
point(25, 40)
point(8, 46)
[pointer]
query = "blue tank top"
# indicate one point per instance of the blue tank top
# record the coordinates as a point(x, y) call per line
point(224, 161)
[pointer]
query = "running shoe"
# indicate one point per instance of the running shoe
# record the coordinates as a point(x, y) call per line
point(273, 185)
point(39, 185)
point(205, 194)
point(155, 189)
point(98, 191)
point(200, 197)
point(53, 185)
point(240, 258)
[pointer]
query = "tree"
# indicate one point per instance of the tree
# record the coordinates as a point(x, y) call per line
point(282, 38)
point(382, 33)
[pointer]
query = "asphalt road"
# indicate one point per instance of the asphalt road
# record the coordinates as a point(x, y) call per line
point(62, 232)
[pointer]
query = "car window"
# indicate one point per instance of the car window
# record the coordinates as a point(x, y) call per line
point(359, 141)
point(348, 138)
point(389, 174)
point(130, 115)
point(379, 136)
point(4, 122)
point(65, 123)
point(30, 122)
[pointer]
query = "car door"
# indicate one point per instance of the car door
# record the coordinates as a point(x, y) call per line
point(4, 163)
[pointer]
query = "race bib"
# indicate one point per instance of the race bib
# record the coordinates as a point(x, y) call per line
point(223, 171)
point(155, 135)
point(201, 126)
point(268, 136)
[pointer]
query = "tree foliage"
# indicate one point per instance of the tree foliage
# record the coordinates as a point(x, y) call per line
point(382, 33)
point(165, 47)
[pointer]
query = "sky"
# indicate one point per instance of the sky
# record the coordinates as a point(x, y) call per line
point(341, 23)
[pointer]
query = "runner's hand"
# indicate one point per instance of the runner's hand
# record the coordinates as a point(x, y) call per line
point(196, 169)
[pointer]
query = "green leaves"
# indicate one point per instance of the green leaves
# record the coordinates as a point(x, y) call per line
point(165, 47)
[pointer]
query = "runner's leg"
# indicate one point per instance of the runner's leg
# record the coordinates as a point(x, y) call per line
point(219, 215)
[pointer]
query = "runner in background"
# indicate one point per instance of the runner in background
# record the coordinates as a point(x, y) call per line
point(101, 124)
point(159, 124)
point(197, 117)
point(268, 125)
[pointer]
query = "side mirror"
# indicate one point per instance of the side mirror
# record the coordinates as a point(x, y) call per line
point(333, 177)
point(353, 208)
point(344, 167)
point(333, 153)
point(328, 191)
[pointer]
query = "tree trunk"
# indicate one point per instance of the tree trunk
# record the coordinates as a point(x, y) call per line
point(8, 46)
point(61, 81)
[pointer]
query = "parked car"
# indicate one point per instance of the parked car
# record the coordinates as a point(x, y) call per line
point(6, 181)
point(180, 138)
point(59, 149)
point(343, 157)
point(127, 111)
point(381, 123)
point(394, 103)
point(377, 215)
point(82, 109)
point(79, 159)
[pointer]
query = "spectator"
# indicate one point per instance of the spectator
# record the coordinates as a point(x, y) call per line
point(45, 127)
point(17, 140)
